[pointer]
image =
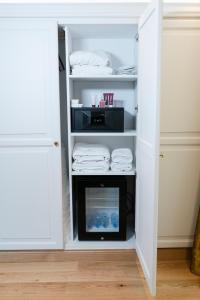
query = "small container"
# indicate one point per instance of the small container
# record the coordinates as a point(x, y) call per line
point(94, 97)
point(105, 97)
point(74, 102)
point(102, 103)
point(108, 98)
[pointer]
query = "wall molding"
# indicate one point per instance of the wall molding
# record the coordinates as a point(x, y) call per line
point(175, 242)
point(95, 10)
point(180, 10)
point(75, 10)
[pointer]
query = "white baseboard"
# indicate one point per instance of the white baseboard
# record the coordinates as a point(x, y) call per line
point(175, 242)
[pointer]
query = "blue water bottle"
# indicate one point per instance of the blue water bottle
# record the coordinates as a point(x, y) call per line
point(105, 220)
point(90, 221)
point(115, 220)
point(97, 221)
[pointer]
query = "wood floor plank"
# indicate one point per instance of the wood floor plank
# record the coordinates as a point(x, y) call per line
point(93, 275)
point(41, 256)
point(76, 291)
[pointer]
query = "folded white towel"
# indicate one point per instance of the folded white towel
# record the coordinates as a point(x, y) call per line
point(90, 166)
point(87, 152)
point(122, 155)
point(91, 70)
point(127, 70)
point(85, 158)
point(118, 167)
point(92, 58)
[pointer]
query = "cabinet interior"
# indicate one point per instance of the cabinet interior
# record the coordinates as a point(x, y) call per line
point(120, 41)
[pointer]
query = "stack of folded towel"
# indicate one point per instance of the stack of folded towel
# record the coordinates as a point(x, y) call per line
point(122, 159)
point(87, 63)
point(90, 157)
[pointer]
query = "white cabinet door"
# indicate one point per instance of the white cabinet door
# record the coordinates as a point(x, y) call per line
point(180, 127)
point(29, 81)
point(147, 154)
point(180, 77)
point(30, 162)
point(30, 206)
point(179, 194)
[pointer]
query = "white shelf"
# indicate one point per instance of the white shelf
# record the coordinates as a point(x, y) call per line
point(105, 78)
point(110, 172)
point(95, 245)
point(127, 132)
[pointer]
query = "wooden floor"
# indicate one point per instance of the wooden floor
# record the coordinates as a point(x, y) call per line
point(110, 275)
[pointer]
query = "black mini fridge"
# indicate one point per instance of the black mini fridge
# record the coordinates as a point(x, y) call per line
point(101, 207)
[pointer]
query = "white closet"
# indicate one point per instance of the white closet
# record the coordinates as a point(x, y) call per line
point(34, 205)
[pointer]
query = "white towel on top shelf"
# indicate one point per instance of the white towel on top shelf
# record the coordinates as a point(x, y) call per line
point(99, 166)
point(127, 70)
point(121, 167)
point(91, 70)
point(87, 152)
point(91, 58)
point(122, 155)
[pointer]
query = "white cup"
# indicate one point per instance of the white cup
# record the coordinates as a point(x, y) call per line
point(74, 102)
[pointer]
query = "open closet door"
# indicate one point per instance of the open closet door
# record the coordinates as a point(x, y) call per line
point(147, 152)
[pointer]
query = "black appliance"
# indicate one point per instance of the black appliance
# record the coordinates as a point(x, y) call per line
point(87, 119)
point(101, 210)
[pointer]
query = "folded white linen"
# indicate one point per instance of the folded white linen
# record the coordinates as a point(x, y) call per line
point(117, 167)
point(92, 58)
point(87, 152)
point(91, 70)
point(84, 158)
point(127, 70)
point(90, 166)
point(122, 155)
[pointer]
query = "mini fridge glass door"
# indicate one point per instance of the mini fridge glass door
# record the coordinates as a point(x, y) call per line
point(102, 209)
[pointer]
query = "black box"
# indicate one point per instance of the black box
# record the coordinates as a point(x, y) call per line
point(89, 119)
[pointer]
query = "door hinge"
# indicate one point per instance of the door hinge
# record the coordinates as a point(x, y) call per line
point(137, 37)
point(162, 155)
point(136, 108)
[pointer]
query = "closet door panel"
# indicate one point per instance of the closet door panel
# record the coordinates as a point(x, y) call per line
point(29, 216)
point(30, 153)
point(147, 152)
point(179, 192)
point(180, 127)
point(28, 79)
point(180, 103)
